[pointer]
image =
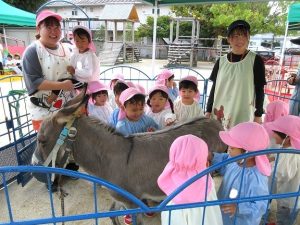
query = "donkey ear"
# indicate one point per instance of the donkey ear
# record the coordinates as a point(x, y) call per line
point(77, 104)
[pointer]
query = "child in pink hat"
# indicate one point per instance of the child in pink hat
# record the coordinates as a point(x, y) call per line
point(188, 157)
point(160, 106)
point(132, 118)
point(119, 87)
point(85, 65)
point(99, 106)
point(115, 78)
point(186, 107)
point(247, 136)
point(286, 131)
point(166, 77)
point(274, 110)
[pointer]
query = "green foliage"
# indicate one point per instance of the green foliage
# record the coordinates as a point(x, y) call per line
point(214, 18)
point(163, 27)
point(100, 33)
point(27, 5)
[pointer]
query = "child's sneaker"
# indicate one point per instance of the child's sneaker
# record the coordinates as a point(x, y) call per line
point(128, 219)
point(41, 102)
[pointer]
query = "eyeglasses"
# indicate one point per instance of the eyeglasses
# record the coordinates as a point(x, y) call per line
point(52, 28)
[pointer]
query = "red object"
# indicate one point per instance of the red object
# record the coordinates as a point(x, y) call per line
point(128, 219)
point(13, 49)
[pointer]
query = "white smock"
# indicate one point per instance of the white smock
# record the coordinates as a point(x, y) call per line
point(186, 112)
point(194, 216)
point(54, 66)
point(86, 65)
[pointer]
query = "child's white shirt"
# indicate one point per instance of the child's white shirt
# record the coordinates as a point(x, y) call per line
point(193, 216)
point(103, 113)
point(86, 65)
point(186, 112)
point(288, 177)
point(160, 117)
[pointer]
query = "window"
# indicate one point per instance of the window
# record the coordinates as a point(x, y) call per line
point(74, 12)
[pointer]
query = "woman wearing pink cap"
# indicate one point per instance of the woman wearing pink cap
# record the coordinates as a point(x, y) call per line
point(286, 131)
point(132, 118)
point(247, 136)
point(99, 106)
point(186, 107)
point(189, 157)
point(44, 66)
point(160, 106)
point(85, 65)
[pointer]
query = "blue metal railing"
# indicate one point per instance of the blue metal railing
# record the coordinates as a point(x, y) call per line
point(140, 206)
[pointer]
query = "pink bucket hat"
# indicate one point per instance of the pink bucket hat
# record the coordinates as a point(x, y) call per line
point(45, 14)
point(275, 110)
point(249, 136)
point(289, 125)
point(165, 74)
point(190, 78)
point(126, 95)
point(91, 44)
point(117, 76)
point(95, 86)
point(187, 158)
point(140, 88)
point(160, 88)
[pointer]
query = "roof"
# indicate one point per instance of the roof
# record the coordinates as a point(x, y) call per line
point(176, 2)
point(115, 12)
point(93, 2)
point(10, 15)
point(294, 16)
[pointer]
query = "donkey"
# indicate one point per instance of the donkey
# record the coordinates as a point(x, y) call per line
point(134, 162)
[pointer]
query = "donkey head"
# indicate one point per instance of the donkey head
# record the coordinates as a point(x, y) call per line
point(51, 129)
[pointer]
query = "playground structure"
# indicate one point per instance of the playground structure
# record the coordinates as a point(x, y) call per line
point(119, 47)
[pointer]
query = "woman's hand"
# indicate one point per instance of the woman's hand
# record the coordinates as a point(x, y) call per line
point(71, 70)
point(229, 208)
point(292, 79)
point(67, 85)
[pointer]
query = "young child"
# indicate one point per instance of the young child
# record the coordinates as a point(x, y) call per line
point(116, 77)
point(274, 110)
point(247, 136)
point(160, 106)
point(132, 118)
point(186, 107)
point(119, 87)
point(188, 157)
point(166, 77)
point(286, 131)
point(99, 107)
point(85, 65)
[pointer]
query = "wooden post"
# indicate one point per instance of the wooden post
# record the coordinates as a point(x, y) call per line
point(177, 30)
point(124, 41)
point(171, 31)
point(106, 32)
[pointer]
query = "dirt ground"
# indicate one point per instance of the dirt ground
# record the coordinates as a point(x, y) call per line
point(33, 202)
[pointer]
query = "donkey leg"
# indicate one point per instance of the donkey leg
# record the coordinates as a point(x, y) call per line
point(114, 207)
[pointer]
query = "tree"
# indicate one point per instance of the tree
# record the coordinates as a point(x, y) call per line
point(27, 5)
point(214, 18)
point(163, 27)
